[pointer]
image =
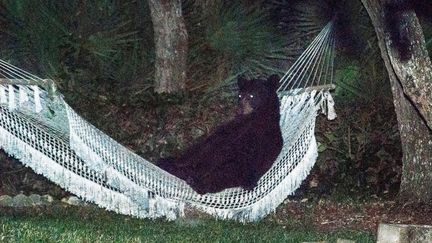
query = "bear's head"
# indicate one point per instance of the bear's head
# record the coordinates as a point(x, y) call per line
point(257, 95)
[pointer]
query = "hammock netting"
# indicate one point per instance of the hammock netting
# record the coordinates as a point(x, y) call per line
point(41, 130)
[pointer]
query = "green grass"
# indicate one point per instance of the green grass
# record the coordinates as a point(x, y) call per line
point(60, 224)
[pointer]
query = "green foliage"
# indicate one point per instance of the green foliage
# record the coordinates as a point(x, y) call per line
point(237, 40)
point(359, 71)
point(244, 39)
point(361, 75)
point(427, 30)
point(361, 153)
point(37, 31)
point(366, 82)
point(301, 21)
point(81, 43)
point(347, 82)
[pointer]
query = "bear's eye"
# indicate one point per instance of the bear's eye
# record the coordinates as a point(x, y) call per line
point(251, 96)
point(240, 96)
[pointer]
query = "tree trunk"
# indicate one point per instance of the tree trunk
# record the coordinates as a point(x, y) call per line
point(171, 45)
point(411, 87)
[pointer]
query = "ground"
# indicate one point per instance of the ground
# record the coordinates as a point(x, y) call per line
point(328, 216)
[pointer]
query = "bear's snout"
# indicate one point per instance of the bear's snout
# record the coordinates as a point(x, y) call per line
point(244, 108)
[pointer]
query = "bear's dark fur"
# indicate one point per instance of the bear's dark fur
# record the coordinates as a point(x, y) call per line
point(240, 151)
point(396, 21)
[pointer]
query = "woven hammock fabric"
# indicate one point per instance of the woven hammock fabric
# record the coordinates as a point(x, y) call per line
point(46, 134)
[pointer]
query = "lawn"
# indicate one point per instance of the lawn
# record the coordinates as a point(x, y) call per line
point(71, 224)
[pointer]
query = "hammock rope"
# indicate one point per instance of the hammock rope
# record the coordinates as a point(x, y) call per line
point(42, 131)
point(321, 49)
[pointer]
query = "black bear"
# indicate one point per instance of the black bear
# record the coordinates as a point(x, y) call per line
point(239, 152)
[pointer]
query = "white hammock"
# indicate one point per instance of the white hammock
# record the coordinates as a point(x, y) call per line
point(42, 131)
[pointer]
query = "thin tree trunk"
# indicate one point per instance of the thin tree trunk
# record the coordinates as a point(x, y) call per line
point(411, 87)
point(171, 45)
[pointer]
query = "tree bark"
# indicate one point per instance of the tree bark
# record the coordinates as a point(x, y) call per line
point(411, 87)
point(171, 45)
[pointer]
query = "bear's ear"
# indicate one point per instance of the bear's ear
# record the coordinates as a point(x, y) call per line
point(242, 82)
point(273, 82)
